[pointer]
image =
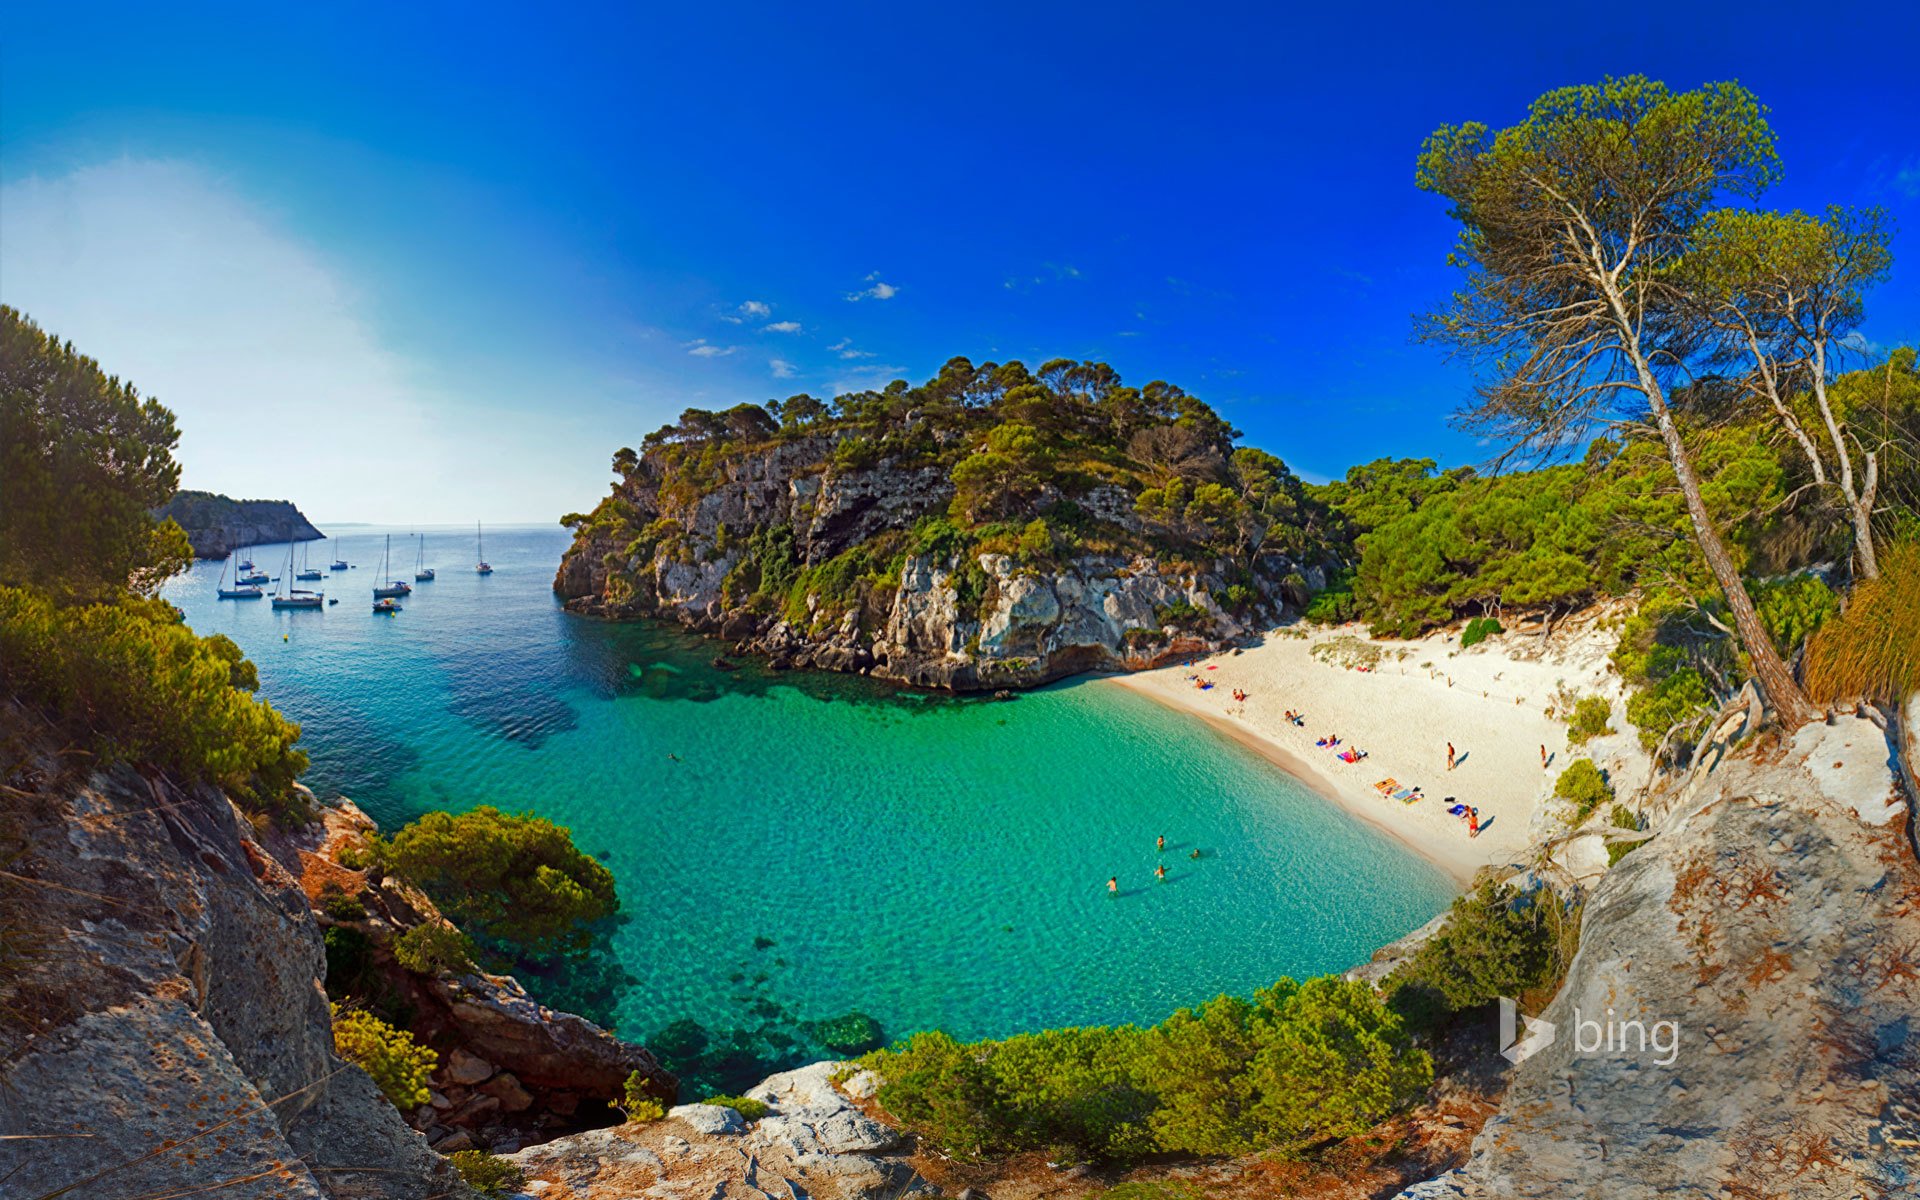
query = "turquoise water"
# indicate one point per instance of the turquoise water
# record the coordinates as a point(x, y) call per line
point(794, 846)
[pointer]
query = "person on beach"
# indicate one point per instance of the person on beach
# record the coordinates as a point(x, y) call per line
point(1449, 756)
point(1543, 758)
point(1113, 886)
point(1160, 843)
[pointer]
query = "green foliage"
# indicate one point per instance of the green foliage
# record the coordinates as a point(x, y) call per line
point(1592, 717)
point(1293, 1067)
point(1586, 785)
point(1181, 614)
point(141, 687)
point(488, 1174)
point(1006, 472)
point(398, 1064)
point(516, 880)
point(1793, 608)
point(1622, 819)
point(339, 904)
point(1479, 630)
point(434, 949)
point(1335, 604)
point(747, 1107)
point(1496, 942)
point(640, 1105)
point(84, 461)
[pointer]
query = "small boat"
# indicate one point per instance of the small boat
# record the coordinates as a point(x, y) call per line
point(422, 573)
point(331, 603)
point(385, 606)
point(293, 597)
point(483, 567)
point(306, 572)
point(339, 564)
point(394, 587)
point(246, 573)
point(238, 591)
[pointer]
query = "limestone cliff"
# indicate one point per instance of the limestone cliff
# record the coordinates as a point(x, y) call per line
point(1774, 920)
point(163, 1030)
point(867, 595)
point(218, 525)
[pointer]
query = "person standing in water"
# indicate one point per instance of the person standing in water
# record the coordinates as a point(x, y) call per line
point(1160, 843)
point(1113, 886)
point(1160, 872)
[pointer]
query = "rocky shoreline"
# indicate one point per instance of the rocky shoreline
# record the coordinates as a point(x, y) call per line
point(218, 525)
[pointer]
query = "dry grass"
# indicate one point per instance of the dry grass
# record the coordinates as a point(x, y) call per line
point(1872, 651)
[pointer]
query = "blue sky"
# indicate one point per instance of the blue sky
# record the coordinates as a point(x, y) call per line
point(433, 263)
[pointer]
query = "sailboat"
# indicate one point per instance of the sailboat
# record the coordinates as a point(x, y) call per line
point(339, 564)
point(483, 567)
point(247, 573)
point(393, 587)
point(238, 591)
point(290, 596)
point(422, 573)
point(306, 572)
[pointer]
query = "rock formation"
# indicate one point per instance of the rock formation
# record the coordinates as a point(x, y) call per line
point(1774, 921)
point(218, 525)
point(962, 621)
point(163, 1030)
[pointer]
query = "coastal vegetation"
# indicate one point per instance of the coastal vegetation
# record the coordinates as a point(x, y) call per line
point(1297, 1065)
point(1496, 941)
point(399, 1065)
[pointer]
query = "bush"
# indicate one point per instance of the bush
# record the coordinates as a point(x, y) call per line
point(1675, 700)
point(1584, 784)
point(639, 1105)
point(517, 880)
point(338, 904)
point(746, 1106)
point(397, 1063)
point(1592, 717)
point(488, 1174)
point(1296, 1065)
point(1623, 819)
point(1495, 942)
point(1479, 630)
point(434, 949)
point(1872, 650)
point(143, 688)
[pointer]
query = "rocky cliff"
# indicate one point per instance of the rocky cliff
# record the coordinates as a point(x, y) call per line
point(218, 525)
point(1740, 1019)
point(163, 1030)
point(869, 594)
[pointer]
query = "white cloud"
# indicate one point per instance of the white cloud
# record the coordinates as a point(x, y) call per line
point(781, 368)
point(756, 308)
point(876, 289)
point(702, 348)
point(844, 348)
point(784, 327)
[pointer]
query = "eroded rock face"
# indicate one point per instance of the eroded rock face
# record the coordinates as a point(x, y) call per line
point(813, 1143)
point(949, 623)
point(1774, 921)
point(218, 525)
point(162, 1025)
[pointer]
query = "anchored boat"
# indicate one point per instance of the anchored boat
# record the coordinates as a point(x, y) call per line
point(393, 587)
point(483, 567)
point(239, 591)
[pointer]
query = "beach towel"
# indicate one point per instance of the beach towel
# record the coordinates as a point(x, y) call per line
point(1403, 794)
point(1415, 796)
point(1458, 810)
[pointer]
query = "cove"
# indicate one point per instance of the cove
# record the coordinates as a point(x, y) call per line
point(794, 847)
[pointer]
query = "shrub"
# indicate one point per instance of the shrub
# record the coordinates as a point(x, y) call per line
point(639, 1105)
point(1181, 614)
point(488, 1174)
point(142, 687)
point(338, 904)
point(399, 1065)
point(1495, 942)
point(746, 1106)
point(1592, 717)
point(516, 879)
point(1479, 630)
point(434, 949)
point(1675, 700)
point(1294, 1066)
point(1873, 649)
point(1622, 819)
point(1584, 784)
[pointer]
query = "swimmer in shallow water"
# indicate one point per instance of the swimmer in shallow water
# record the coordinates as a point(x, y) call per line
point(1160, 872)
point(1113, 886)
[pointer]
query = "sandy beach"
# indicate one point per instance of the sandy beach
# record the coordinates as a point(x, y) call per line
point(1401, 702)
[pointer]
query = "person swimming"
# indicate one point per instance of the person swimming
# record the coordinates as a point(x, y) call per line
point(1113, 886)
point(1160, 843)
point(1160, 872)
point(1196, 853)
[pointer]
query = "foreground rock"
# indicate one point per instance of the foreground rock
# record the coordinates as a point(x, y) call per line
point(163, 1031)
point(813, 1144)
point(217, 525)
point(1774, 921)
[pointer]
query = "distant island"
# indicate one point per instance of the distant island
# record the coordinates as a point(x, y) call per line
point(218, 525)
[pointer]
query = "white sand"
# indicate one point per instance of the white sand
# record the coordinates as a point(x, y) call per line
point(1489, 701)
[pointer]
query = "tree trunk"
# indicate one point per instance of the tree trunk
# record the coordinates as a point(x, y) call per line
point(1859, 510)
point(1775, 679)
